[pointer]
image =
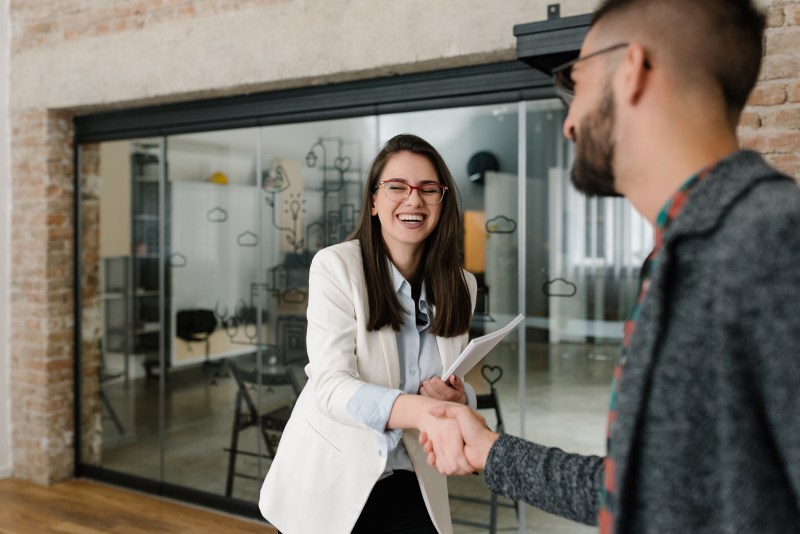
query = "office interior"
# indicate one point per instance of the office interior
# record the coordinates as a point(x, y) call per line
point(195, 269)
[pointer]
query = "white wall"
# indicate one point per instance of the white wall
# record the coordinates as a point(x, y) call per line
point(115, 198)
point(5, 252)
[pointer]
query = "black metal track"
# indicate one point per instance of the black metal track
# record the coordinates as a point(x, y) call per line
point(483, 84)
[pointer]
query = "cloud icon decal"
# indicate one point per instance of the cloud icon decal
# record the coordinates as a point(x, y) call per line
point(558, 287)
point(217, 215)
point(176, 259)
point(501, 225)
point(247, 239)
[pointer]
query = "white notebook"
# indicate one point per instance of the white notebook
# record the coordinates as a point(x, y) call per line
point(478, 348)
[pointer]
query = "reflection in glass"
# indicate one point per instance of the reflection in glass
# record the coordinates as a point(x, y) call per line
point(249, 208)
point(121, 189)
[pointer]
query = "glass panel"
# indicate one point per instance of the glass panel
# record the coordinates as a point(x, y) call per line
point(121, 318)
point(211, 263)
point(243, 226)
point(213, 225)
point(310, 186)
point(480, 146)
point(583, 257)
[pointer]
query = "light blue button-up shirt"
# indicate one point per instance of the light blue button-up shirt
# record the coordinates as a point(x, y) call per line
point(419, 360)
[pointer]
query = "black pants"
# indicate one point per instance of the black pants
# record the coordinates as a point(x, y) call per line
point(395, 505)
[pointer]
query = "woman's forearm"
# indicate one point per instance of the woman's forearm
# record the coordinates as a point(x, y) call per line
point(410, 411)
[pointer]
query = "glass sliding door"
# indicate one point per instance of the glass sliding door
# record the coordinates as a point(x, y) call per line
point(122, 201)
point(480, 145)
point(195, 260)
point(213, 227)
point(195, 274)
point(308, 196)
point(582, 259)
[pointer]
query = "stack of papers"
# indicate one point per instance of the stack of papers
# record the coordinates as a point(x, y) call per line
point(478, 348)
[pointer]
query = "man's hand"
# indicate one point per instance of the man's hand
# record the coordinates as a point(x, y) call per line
point(450, 391)
point(445, 444)
point(478, 439)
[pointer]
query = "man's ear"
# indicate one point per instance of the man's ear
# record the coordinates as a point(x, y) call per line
point(636, 73)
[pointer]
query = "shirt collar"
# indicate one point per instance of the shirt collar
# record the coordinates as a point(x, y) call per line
point(672, 208)
point(401, 286)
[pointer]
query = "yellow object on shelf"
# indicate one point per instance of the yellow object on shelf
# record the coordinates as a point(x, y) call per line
point(218, 178)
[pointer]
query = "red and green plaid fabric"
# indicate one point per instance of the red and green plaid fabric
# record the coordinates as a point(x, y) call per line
point(608, 495)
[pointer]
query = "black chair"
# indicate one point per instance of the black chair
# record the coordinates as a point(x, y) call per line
point(196, 326)
point(112, 413)
point(254, 387)
point(488, 401)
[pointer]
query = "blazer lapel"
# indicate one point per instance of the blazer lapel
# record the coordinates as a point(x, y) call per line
point(392, 360)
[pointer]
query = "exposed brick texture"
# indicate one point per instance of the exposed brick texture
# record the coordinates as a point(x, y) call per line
point(41, 374)
point(47, 23)
point(91, 324)
point(771, 121)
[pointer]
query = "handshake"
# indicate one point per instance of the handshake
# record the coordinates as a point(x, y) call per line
point(456, 439)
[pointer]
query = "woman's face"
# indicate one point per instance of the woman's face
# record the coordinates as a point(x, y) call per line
point(406, 224)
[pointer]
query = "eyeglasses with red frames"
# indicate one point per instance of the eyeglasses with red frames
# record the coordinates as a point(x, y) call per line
point(398, 191)
point(562, 75)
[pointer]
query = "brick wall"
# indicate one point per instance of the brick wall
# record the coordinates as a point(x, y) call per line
point(48, 23)
point(91, 322)
point(771, 122)
point(41, 297)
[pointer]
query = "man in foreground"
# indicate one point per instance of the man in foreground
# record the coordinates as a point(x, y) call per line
point(704, 420)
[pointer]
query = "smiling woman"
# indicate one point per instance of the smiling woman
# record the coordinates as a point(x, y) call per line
point(393, 297)
point(408, 213)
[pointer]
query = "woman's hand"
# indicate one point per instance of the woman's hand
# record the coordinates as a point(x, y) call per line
point(444, 443)
point(451, 391)
point(472, 428)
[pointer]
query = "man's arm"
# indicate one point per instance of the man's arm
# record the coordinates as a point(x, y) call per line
point(546, 477)
point(561, 483)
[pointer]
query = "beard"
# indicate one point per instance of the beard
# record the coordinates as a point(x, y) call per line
point(593, 172)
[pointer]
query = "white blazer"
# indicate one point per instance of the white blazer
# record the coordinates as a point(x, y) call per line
point(327, 462)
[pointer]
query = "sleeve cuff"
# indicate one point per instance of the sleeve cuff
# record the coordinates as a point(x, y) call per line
point(372, 404)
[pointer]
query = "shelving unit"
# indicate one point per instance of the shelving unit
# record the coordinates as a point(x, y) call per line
point(146, 323)
point(115, 275)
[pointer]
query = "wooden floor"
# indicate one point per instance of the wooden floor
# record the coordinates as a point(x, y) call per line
point(86, 507)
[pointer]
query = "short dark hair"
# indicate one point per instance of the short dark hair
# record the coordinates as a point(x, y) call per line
point(720, 40)
point(440, 266)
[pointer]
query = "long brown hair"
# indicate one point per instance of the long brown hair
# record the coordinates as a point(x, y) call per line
point(439, 268)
